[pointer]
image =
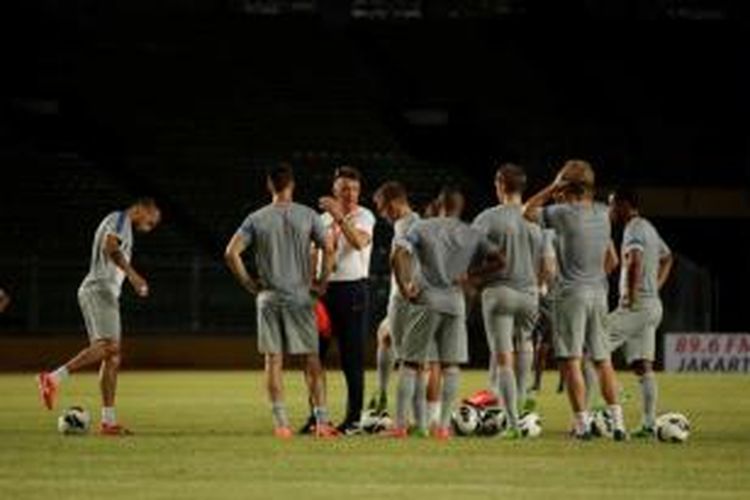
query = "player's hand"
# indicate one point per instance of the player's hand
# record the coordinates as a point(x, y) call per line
point(410, 292)
point(139, 284)
point(319, 288)
point(253, 287)
point(332, 206)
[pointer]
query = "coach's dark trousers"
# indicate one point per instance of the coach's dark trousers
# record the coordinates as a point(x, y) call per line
point(348, 304)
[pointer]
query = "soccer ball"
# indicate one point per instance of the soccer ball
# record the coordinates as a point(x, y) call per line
point(373, 422)
point(465, 420)
point(74, 420)
point(602, 423)
point(492, 421)
point(369, 421)
point(672, 428)
point(530, 425)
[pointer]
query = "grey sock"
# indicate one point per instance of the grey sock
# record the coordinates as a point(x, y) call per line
point(321, 415)
point(278, 410)
point(493, 374)
point(450, 389)
point(649, 393)
point(385, 366)
point(420, 401)
point(507, 389)
point(591, 381)
point(525, 359)
point(405, 395)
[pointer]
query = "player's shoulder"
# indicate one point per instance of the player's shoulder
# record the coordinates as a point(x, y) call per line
point(364, 214)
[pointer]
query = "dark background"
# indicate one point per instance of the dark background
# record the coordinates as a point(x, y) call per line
point(190, 100)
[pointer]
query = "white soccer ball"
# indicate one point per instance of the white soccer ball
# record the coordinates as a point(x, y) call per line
point(530, 425)
point(369, 421)
point(602, 423)
point(672, 428)
point(385, 423)
point(74, 420)
point(492, 421)
point(465, 420)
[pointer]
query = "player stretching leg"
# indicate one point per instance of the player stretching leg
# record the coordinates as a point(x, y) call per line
point(98, 297)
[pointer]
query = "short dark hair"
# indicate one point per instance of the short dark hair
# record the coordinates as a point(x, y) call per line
point(627, 195)
point(512, 176)
point(146, 201)
point(389, 191)
point(347, 172)
point(280, 176)
point(451, 198)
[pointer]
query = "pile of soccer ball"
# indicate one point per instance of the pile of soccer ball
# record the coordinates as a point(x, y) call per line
point(670, 427)
point(471, 420)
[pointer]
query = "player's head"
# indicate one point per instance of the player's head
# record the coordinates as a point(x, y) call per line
point(145, 214)
point(280, 178)
point(390, 200)
point(623, 203)
point(579, 180)
point(510, 180)
point(451, 201)
point(347, 184)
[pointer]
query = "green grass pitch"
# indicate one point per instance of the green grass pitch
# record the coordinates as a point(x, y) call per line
point(206, 435)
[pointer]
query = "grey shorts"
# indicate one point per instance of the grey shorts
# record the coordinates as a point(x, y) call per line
point(635, 329)
point(509, 317)
point(101, 314)
point(434, 336)
point(580, 318)
point(284, 328)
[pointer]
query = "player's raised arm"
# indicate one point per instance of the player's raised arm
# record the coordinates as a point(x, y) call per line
point(356, 237)
point(533, 206)
point(233, 258)
point(115, 254)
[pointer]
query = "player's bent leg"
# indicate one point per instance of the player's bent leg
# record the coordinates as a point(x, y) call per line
point(48, 382)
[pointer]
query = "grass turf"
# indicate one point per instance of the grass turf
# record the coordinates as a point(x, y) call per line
point(206, 435)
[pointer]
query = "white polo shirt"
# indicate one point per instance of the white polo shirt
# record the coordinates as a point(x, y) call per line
point(351, 264)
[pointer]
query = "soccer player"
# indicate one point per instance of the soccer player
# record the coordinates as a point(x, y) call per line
point(392, 204)
point(583, 229)
point(510, 299)
point(98, 297)
point(446, 249)
point(646, 264)
point(279, 237)
point(351, 226)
